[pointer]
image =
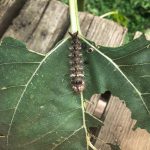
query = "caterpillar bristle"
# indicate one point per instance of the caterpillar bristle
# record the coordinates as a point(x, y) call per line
point(76, 64)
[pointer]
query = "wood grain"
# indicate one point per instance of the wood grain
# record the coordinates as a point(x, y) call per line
point(101, 31)
point(41, 24)
point(51, 28)
point(118, 129)
point(24, 25)
point(8, 10)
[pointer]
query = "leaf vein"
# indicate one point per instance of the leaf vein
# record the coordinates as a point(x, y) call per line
point(34, 73)
point(145, 93)
point(9, 87)
point(147, 63)
point(117, 67)
point(7, 109)
point(145, 76)
point(130, 53)
point(11, 63)
point(67, 138)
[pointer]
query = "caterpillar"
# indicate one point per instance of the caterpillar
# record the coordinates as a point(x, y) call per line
point(76, 64)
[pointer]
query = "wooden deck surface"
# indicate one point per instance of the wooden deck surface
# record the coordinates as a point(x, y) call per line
point(41, 24)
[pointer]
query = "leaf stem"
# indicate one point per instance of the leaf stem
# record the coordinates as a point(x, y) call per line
point(108, 14)
point(73, 7)
point(84, 121)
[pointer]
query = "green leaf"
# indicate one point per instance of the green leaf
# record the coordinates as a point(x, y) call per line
point(38, 109)
point(125, 71)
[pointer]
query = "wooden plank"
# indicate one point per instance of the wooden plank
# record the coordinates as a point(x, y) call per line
point(106, 32)
point(118, 126)
point(26, 22)
point(51, 28)
point(85, 22)
point(138, 34)
point(8, 10)
point(102, 31)
point(38, 27)
point(41, 24)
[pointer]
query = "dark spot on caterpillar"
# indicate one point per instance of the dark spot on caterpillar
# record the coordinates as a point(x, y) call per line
point(76, 64)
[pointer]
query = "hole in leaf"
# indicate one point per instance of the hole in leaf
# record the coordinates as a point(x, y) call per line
point(106, 96)
point(90, 50)
point(93, 132)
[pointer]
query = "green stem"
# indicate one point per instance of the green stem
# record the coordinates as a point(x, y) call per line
point(74, 16)
point(108, 14)
point(84, 121)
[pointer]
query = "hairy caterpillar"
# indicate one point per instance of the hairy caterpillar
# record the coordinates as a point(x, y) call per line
point(76, 63)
